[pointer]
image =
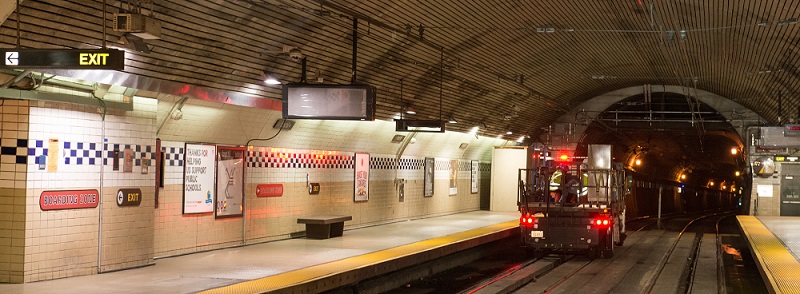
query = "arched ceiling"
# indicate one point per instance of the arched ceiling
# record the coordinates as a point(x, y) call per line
point(510, 64)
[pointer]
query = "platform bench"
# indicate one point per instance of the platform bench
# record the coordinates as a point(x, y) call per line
point(324, 226)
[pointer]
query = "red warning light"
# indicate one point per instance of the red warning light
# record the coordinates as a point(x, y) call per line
point(602, 222)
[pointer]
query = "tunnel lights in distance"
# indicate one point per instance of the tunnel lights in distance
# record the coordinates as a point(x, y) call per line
point(683, 176)
point(737, 173)
point(734, 151)
point(638, 162)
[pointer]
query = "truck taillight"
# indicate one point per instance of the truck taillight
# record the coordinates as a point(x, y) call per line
point(526, 220)
point(601, 222)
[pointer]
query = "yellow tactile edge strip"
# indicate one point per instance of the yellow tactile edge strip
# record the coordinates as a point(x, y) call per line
point(311, 273)
point(777, 264)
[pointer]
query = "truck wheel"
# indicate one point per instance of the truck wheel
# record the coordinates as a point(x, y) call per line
point(608, 247)
point(593, 253)
point(622, 237)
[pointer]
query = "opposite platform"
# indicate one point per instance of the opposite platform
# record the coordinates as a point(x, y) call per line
point(768, 238)
point(294, 262)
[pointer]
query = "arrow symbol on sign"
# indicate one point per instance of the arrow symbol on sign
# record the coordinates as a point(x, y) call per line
point(12, 58)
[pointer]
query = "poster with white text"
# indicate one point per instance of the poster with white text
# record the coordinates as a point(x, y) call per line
point(198, 182)
point(230, 178)
point(429, 166)
point(453, 177)
point(362, 177)
point(474, 177)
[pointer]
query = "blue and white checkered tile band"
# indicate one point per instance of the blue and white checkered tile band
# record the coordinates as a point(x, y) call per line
point(264, 159)
point(173, 156)
point(140, 153)
point(81, 153)
point(381, 163)
point(411, 164)
point(464, 166)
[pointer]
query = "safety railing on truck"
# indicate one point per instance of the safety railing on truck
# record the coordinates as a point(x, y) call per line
point(583, 188)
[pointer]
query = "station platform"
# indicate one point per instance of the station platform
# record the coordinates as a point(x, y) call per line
point(775, 244)
point(297, 265)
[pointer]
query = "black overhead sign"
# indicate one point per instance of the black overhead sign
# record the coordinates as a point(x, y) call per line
point(63, 58)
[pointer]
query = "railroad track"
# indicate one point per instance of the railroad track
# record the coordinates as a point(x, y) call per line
point(561, 274)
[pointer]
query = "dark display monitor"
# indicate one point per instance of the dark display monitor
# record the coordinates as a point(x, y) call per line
point(321, 101)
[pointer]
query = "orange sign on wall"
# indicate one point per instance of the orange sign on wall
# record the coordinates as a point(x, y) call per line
point(269, 190)
point(55, 200)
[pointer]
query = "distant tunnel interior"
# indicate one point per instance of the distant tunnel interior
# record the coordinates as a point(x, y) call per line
point(672, 137)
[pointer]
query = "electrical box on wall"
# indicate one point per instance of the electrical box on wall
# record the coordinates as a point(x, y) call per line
point(142, 26)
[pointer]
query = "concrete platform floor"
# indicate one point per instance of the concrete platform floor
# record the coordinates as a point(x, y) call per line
point(202, 271)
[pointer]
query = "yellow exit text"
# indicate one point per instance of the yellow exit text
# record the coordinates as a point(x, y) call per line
point(93, 58)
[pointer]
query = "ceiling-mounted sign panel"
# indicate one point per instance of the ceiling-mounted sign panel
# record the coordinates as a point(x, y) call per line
point(109, 59)
point(327, 101)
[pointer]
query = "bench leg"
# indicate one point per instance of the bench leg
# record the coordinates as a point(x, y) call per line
point(316, 231)
point(337, 229)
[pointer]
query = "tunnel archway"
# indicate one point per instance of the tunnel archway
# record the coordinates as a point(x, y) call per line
point(675, 133)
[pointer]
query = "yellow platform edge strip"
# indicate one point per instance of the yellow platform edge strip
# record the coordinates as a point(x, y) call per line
point(779, 266)
point(308, 274)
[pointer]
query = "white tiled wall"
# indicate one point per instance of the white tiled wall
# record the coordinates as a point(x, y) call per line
point(65, 243)
point(57, 243)
point(274, 218)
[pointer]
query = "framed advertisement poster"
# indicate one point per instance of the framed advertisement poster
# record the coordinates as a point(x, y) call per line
point(430, 167)
point(453, 177)
point(198, 178)
point(361, 189)
point(473, 177)
point(230, 178)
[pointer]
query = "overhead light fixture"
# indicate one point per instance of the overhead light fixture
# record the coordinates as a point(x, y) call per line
point(398, 138)
point(474, 130)
point(521, 139)
point(509, 132)
point(283, 124)
point(409, 110)
point(734, 151)
point(270, 79)
point(413, 125)
point(452, 120)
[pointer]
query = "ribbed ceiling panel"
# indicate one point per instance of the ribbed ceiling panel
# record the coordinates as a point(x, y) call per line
point(511, 64)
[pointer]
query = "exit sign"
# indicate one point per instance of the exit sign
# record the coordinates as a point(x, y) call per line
point(110, 59)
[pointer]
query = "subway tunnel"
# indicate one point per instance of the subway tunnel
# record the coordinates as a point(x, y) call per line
point(702, 93)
